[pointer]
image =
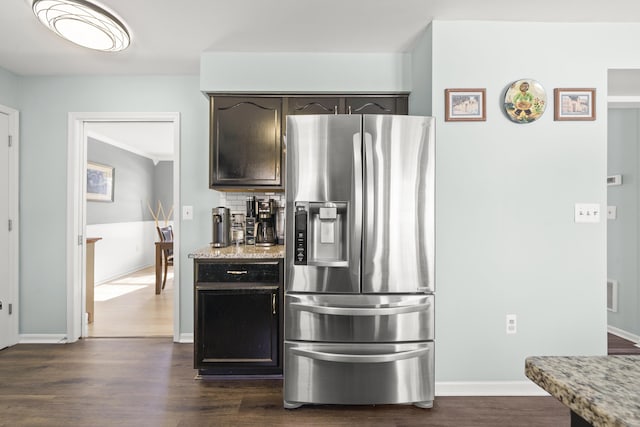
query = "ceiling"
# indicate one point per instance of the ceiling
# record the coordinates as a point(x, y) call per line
point(153, 140)
point(168, 37)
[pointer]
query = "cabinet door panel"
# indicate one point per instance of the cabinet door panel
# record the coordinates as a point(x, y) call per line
point(313, 105)
point(237, 328)
point(246, 142)
point(377, 105)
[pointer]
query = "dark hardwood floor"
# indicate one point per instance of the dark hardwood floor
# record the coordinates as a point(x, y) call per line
point(617, 345)
point(150, 382)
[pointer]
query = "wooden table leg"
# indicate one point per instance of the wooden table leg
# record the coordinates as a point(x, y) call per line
point(158, 268)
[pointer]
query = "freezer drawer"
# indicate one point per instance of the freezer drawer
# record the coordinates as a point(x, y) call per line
point(359, 318)
point(358, 374)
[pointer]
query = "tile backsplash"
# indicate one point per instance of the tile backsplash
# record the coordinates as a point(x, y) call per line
point(237, 202)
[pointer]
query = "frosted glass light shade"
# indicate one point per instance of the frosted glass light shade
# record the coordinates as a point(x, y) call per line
point(83, 23)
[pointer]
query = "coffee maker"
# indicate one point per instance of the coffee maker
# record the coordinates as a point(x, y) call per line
point(266, 223)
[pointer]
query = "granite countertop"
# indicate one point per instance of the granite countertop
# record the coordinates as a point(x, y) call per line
point(240, 251)
point(604, 390)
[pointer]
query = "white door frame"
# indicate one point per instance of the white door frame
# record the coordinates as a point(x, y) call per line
point(14, 215)
point(76, 219)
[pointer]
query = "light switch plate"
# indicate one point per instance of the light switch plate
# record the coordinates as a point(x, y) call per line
point(612, 212)
point(187, 212)
point(587, 212)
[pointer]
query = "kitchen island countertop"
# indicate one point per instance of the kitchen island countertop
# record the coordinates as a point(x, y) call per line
point(603, 390)
point(241, 251)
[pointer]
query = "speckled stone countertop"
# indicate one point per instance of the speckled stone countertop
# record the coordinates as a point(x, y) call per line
point(604, 390)
point(241, 251)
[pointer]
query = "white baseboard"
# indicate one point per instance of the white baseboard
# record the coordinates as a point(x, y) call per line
point(623, 334)
point(488, 388)
point(42, 339)
point(186, 338)
point(125, 274)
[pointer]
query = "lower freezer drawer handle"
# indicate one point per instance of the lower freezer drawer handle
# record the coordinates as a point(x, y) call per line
point(356, 311)
point(359, 358)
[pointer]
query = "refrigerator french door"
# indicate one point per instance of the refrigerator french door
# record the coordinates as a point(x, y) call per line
point(359, 278)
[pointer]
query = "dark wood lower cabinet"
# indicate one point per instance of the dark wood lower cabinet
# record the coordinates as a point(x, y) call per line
point(238, 324)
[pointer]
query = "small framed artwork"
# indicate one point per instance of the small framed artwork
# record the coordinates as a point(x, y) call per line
point(575, 104)
point(99, 182)
point(465, 105)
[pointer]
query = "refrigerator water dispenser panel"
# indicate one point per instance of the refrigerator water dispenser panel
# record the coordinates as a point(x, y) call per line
point(300, 227)
point(323, 238)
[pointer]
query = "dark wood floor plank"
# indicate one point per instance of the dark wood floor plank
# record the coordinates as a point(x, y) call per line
point(151, 382)
point(618, 345)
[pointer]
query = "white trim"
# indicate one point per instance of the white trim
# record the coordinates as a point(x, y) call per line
point(43, 339)
point(488, 388)
point(623, 334)
point(76, 221)
point(14, 215)
point(623, 101)
point(154, 158)
point(186, 338)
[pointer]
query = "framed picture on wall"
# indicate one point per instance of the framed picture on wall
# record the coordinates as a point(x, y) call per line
point(99, 182)
point(575, 104)
point(464, 105)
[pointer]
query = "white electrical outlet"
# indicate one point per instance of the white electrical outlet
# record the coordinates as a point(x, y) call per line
point(587, 212)
point(512, 326)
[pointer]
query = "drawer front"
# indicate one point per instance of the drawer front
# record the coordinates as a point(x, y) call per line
point(231, 272)
point(359, 373)
point(359, 318)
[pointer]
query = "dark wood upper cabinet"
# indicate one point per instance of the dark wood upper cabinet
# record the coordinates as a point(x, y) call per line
point(246, 143)
point(314, 105)
point(246, 150)
point(377, 105)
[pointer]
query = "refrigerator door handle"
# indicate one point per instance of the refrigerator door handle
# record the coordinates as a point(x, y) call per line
point(356, 234)
point(365, 311)
point(360, 358)
point(368, 192)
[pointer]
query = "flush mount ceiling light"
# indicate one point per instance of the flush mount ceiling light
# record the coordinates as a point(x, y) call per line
point(83, 23)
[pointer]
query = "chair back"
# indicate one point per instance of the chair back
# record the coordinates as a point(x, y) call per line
point(166, 235)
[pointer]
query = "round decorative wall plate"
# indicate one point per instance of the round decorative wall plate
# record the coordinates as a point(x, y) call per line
point(525, 101)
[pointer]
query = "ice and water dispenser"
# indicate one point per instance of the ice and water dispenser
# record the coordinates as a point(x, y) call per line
point(321, 234)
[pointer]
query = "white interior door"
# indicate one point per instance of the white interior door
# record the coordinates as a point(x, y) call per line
point(5, 242)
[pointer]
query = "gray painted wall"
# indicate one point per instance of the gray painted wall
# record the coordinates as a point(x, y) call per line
point(133, 185)
point(163, 187)
point(422, 71)
point(622, 233)
point(9, 89)
point(506, 240)
point(45, 105)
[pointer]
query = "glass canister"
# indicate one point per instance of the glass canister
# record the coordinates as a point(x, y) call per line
point(237, 228)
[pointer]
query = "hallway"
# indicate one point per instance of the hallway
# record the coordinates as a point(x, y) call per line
point(129, 307)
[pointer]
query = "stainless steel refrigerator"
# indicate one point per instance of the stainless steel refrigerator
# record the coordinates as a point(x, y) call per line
point(359, 275)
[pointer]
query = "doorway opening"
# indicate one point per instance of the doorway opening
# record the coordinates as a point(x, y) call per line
point(623, 193)
point(117, 224)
